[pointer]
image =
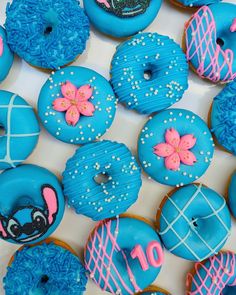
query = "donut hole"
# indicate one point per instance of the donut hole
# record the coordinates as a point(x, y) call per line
point(101, 178)
point(2, 131)
point(148, 74)
point(220, 42)
point(44, 279)
point(48, 30)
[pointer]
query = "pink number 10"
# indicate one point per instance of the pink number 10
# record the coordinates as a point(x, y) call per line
point(152, 247)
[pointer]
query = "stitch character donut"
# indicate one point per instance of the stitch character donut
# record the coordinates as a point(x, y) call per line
point(121, 18)
point(123, 255)
point(194, 222)
point(50, 267)
point(32, 212)
point(6, 56)
point(216, 275)
point(210, 41)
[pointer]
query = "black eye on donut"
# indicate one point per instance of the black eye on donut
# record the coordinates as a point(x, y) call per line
point(13, 228)
point(39, 220)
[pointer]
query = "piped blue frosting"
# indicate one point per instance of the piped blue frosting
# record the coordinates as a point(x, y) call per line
point(45, 269)
point(47, 33)
point(149, 73)
point(223, 117)
point(6, 56)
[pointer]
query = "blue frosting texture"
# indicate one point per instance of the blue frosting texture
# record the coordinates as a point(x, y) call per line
point(123, 21)
point(100, 199)
point(185, 123)
point(193, 3)
point(45, 269)
point(6, 56)
point(232, 194)
point(47, 33)
point(223, 117)
point(165, 65)
point(109, 259)
point(31, 204)
point(88, 128)
point(20, 130)
point(194, 222)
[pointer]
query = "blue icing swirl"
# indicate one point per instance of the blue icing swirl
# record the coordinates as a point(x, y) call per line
point(194, 3)
point(111, 197)
point(44, 270)
point(223, 117)
point(6, 56)
point(47, 33)
point(165, 65)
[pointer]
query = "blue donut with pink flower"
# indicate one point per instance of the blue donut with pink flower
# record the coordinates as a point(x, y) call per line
point(76, 105)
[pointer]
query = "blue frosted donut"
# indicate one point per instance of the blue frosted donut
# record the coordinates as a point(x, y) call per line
point(216, 275)
point(47, 33)
point(100, 197)
point(121, 18)
point(153, 290)
point(175, 147)
point(149, 73)
point(45, 269)
point(6, 56)
point(223, 118)
point(19, 130)
point(195, 3)
point(232, 194)
point(31, 204)
point(210, 39)
point(76, 105)
point(194, 222)
point(123, 255)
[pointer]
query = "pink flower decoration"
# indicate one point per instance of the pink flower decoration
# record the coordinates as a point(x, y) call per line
point(176, 149)
point(74, 102)
point(1, 46)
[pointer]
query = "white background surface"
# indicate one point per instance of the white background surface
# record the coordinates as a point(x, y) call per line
point(52, 154)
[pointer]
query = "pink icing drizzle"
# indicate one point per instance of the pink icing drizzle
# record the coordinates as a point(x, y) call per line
point(217, 271)
point(233, 27)
point(176, 149)
point(212, 59)
point(50, 198)
point(1, 46)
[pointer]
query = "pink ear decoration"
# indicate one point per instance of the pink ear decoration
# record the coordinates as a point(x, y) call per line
point(104, 2)
point(2, 230)
point(1, 46)
point(50, 198)
point(233, 27)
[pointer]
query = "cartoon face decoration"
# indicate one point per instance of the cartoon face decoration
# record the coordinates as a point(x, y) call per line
point(29, 223)
point(124, 8)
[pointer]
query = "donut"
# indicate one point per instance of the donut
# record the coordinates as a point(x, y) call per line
point(153, 290)
point(49, 33)
point(31, 204)
point(175, 147)
point(193, 3)
point(222, 118)
point(19, 130)
point(76, 105)
point(123, 255)
point(121, 18)
point(232, 194)
point(216, 275)
point(149, 73)
point(102, 180)
point(51, 267)
point(210, 41)
point(6, 56)
point(194, 222)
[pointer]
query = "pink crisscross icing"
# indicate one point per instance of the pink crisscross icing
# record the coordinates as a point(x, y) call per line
point(214, 63)
point(102, 247)
point(218, 273)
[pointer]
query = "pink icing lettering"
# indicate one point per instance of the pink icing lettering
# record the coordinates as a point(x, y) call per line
point(152, 248)
point(137, 252)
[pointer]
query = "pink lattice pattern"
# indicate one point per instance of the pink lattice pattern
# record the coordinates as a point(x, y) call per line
point(214, 63)
point(214, 277)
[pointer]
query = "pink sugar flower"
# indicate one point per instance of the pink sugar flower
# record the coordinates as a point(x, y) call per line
point(176, 149)
point(74, 102)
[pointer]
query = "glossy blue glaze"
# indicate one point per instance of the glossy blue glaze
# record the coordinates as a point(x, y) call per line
point(6, 58)
point(20, 130)
point(194, 222)
point(45, 269)
point(116, 194)
point(153, 133)
point(223, 117)
point(114, 241)
point(196, 3)
point(49, 33)
point(117, 26)
point(22, 200)
point(157, 56)
point(232, 194)
point(88, 128)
